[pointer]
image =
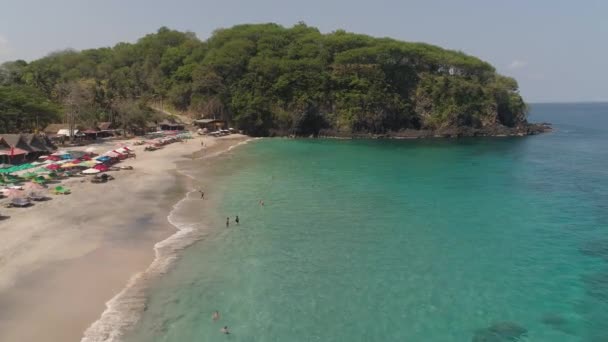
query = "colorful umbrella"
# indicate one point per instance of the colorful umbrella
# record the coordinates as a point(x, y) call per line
point(101, 167)
point(53, 167)
point(88, 163)
point(30, 175)
point(13, 193)
point(31, 186)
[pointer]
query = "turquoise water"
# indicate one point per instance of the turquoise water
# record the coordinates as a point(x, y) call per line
point(435, 240)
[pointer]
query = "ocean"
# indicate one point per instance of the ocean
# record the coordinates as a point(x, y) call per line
point(481, 239)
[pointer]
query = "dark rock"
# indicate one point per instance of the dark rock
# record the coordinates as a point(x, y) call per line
point(554, 320)
point(558, 323)
point(509, 330)
point(485, 335)
point(500, 332)
point(597, 285)
point(596, 248)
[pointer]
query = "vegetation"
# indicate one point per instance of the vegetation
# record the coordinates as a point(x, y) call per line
point(266, 79)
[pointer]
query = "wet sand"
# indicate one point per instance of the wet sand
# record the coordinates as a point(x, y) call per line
point(62, 260)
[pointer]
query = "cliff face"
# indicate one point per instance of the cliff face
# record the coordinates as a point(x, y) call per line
point(270, 80)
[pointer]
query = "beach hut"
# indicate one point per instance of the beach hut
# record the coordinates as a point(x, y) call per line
point(37, 144)
point(210, 124)
point(18, 148)
point(171, 124)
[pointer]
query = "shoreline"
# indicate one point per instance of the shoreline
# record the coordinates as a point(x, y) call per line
point(62, 260)
point(497, 131)
point(124, 310)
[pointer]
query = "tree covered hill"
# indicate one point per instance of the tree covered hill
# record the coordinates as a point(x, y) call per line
point(267, 79)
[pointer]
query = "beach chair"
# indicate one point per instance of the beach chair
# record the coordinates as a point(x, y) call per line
point(60, 190)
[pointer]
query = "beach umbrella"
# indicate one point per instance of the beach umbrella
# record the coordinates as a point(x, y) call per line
point(101, 167)
point(30, 175)
point(68, 165)
point(31, 186)
point(13, 193)
point(103, 158)
point(91, 171)
point(88, 163)
point(53, 167)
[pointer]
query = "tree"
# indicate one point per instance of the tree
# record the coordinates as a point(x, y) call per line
point(267, 78)
point(77, 99)
point(25, 109)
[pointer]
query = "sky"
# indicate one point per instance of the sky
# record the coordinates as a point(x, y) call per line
point(556, 49)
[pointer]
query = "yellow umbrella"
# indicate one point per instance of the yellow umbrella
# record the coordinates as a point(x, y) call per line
point(88, 163)
point(68, 165)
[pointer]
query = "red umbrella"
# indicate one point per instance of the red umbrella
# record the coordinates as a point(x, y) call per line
point(101, 167)
point(54, 158)
point(53, 167)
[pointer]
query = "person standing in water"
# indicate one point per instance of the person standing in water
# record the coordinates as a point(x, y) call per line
point(215, 316)
point(237, 220)
point(227, 222)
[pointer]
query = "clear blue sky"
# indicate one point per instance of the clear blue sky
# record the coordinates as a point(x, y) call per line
point(556, 49)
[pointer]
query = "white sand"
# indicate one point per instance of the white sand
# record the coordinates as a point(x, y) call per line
point(61, 260)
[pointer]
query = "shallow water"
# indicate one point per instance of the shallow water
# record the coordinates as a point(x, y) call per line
point(435, 240)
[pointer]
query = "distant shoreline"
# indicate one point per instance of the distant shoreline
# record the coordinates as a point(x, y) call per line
point(453, 132)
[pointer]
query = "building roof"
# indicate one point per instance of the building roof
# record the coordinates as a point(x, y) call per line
point(3, 144)
point(35, 143)
point(207, 121)
point(47, 142)
point(104, 126)
point(169, 123)
point(54, 128)
point(17, 141)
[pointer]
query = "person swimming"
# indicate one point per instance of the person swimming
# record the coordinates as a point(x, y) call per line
point(225, 330)
point(215, 316)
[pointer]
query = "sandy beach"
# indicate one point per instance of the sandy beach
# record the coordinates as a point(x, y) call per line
point(63, 259)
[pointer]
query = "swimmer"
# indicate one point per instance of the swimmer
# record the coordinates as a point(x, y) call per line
point(224, 330)
point(215, 316)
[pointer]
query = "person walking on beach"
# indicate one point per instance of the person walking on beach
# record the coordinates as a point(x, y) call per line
point(237, 220)
point(225, 330)
point(215, 316)
point(227, 222)
point(202, 194)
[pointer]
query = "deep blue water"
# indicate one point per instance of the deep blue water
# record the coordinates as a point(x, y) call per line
point(435, 240)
